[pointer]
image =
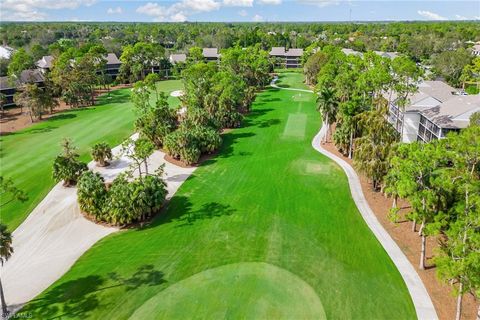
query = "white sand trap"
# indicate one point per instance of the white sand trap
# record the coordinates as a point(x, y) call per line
point(177, 93)
point(56, 234)
point(295, 126)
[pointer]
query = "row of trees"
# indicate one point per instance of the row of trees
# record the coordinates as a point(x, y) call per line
point(419, 40)
point(440, 180)
point(216, 97)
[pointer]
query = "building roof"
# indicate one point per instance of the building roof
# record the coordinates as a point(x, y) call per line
point(293, 52)
point(389, 55)
point(5, 52)
point(454, 113)
point(45, 62)
point(27, 76)
point(178, 57)
point(351, 52)
point(430, 94)
point(112, 58)
point(476, 48)
point(210, 53)
point(277, 51)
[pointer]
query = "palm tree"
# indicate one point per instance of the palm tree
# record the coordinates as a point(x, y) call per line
point(327, 105)
point(101, 152)
point(6, 251)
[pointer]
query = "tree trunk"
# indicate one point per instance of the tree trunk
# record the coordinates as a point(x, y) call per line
point(351, 145)
point(458, 313)
point(478, 312)
point(422, 254)
point(4, 303)
point(146, 167)
point(420, 231)
point(394, 203)
point(414, 225)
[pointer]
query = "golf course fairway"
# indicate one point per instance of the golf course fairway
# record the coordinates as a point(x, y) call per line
point(267, 229)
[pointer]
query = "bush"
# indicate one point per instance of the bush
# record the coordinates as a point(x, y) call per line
point(67, 169)
point(92, 194)
point(133, 201)
point(101, 152)
point(188, 143)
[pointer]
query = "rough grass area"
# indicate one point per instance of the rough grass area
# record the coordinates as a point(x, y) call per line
point(26, 156)
point(269, 199)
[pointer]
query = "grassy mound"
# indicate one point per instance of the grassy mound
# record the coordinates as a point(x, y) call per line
point(248, 290)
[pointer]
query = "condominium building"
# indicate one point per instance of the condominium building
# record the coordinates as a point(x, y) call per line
point(290, 58)
point(433, 111)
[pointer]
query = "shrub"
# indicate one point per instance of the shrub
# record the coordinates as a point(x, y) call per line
point(157, 122)
point(92, 194)
point(67, 169)
point(133, 201)
point(66, 166)
point(101, 152)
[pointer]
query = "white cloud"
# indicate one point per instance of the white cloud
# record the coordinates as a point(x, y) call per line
point(477, 17)
point(31, 10)
point(430, 15)
point(178, 17)
point(258, 18)
point(320, 3)
point(243, 13)
point(273, 2)
point(179, 11)
point(238, 3)
point(459, 17)
point(117, 10)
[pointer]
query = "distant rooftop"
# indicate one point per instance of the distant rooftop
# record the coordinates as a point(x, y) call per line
point(210, 53)
point(178, 57)
point(27, 76)
point(113, 59)
point(293, 52)
point(277, 51)
point(6, 52)
point(45, 62)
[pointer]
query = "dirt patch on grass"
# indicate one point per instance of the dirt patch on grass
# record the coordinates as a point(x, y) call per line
point(409, 241)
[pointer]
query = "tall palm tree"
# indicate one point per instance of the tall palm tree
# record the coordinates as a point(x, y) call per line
point(327, 106)
point(6, 251)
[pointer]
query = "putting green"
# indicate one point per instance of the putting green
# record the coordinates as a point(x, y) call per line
point(239, 290)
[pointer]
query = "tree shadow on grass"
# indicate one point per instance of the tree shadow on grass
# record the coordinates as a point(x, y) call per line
point(207, 211)
point(79, 297)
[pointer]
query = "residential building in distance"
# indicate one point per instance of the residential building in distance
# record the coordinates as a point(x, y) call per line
point(210, 54)
point(177, 58)
point(6, 52)
point(45, 64)
point(8, 86)
point(476, 49)
point(290, 58)
point(433, 111)
point(113, 64)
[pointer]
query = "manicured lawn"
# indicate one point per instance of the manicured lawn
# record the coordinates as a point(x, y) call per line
point(27, 155)
point(267, 229)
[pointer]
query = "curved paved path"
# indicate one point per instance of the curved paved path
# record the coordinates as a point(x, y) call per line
point(420, 297)
point(56, 234)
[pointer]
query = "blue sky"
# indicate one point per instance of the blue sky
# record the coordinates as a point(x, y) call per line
point(237, 10)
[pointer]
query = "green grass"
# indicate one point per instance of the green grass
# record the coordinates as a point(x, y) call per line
point(27, 155)
point(265, 224)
